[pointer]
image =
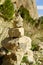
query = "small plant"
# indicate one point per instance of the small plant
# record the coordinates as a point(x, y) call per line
point(7, 9)
point(35, 46)
point(25, 59)
point(25, 14)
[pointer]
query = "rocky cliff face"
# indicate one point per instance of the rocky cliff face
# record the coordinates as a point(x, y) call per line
point(30, 5)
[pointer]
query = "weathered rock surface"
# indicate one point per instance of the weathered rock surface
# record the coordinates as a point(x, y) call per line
point(18, 46)
point(4, 28)
point(16, 32)
point(13, 44)
point(28, 4)
point(9, 60)
point(2, 1)
point(18, 22)
point(30, 56)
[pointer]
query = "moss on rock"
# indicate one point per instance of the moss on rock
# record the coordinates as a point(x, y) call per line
point(7, 9)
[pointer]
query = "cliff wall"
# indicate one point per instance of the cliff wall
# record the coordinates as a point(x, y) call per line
point(30, 5)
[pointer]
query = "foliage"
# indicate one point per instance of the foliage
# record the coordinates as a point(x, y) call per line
point(25, 14)
point(35, 46)
point(25, 60)
point(7, 9)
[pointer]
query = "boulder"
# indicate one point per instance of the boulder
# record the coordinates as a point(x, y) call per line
point(18, 43)
point(16, 32)
point(18, 46)
point(24, 47)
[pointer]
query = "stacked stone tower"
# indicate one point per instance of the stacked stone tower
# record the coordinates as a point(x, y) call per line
point(15, 45)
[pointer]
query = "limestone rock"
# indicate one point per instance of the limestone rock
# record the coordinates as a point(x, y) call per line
point(28, 4)
point(2, 1)
point(10, 44)
point(9, 59)
point(18, 21)
point(25, 40)
point(16, 32)
point(4, 28)
point(18, 46)
point(13, 44)
point(24, 46)
point(30, 56)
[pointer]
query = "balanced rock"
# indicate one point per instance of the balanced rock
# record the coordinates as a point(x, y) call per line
point(16, 32)
point(18, 43)
point(18, 46)
point(25, 45)
point(18, 21)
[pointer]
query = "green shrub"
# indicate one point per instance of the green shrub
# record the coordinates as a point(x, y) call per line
point(7, 9)
point(25, 14)
point(35, 46)
point(25, 59)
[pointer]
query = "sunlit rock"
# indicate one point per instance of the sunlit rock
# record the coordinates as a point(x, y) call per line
point(16, 32)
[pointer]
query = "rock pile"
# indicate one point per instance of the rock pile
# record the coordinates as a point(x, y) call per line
point(15, 45)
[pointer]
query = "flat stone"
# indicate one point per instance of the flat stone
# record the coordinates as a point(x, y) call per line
point(16, 32)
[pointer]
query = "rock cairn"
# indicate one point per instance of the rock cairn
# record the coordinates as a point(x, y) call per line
point(15, 45)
